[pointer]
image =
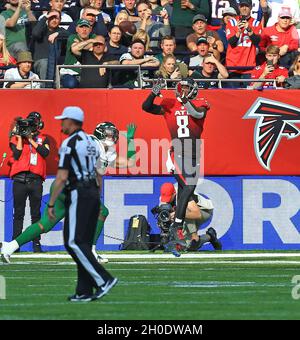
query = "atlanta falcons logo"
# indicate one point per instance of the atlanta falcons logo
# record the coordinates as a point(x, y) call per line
point(274, 121)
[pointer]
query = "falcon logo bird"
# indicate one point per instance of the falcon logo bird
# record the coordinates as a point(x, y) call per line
point(274, 120)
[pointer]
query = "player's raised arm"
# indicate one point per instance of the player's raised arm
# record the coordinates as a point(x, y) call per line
point(196, 112)
point(129, 161)
point(148, 104)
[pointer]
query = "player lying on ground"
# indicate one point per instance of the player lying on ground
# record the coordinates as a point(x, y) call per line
point(107, 135)
point(198, 211)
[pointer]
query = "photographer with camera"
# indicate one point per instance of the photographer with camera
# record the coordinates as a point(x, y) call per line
point(28, 169)
point(198, 211)
point(270, 70)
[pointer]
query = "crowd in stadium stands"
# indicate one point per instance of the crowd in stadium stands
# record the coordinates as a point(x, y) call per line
point(170, 39)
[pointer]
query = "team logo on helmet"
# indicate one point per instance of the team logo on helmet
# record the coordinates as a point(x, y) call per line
point(105, 130)
point(274, 120)
point(192, 88)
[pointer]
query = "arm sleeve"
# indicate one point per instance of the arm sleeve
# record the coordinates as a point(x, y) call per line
point(43, 151)
point(150, 107)
point(65, 156)
point(16, 153)
point(63, 34)
point(233, 41)
point(197, 113)
point(130, 148)
point(39, 29)
point(255, 38)
point(231, 29)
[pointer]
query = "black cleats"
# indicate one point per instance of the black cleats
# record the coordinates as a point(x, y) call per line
point(213, 239)
point(80, 298)
point(105, 288)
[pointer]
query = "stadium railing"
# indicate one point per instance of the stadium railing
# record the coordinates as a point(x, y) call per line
point(138, 67)
point(141, 79)
point(217, 80)
point(25, 80)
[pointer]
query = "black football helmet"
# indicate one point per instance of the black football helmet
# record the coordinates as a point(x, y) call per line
point(36, 117)
point(192, 91)
point(106, 129)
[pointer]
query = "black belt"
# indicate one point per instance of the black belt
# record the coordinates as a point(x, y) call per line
point(82, 184)
point(26, 177)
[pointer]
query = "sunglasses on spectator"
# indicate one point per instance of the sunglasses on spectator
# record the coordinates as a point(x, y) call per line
point(209, 63)
point(98, 44)
point(285, 18)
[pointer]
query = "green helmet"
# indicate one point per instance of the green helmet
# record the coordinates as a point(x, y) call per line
point(105, 130)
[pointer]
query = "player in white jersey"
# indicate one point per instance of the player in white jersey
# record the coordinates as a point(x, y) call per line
point(107, 136)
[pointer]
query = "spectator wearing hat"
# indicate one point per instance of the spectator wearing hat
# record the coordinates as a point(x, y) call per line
point(228, 13)
point(200, 30)
point(275, 7)
point(211, 69)
point(21, 72)
point(94, 77)
point(136, 56)
point(96, 21)
point(58, 5)
point(284, 35)
point(48, 37)
point(183, 13)
point(243, 35)
point(18, 13)
point(270, 70)
point(203, 50)
point(70, 77)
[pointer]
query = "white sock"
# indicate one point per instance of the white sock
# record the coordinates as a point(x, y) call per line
point(14, 245)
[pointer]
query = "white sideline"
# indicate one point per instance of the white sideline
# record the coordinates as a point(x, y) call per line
point(165, 256)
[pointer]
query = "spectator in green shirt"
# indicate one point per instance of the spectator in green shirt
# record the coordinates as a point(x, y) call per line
point(17, 14)
point(83, 35)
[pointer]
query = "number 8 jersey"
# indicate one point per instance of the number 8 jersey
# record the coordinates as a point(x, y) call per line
point(180, 124)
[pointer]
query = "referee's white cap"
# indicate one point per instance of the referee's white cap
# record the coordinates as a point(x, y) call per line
point(72, 112)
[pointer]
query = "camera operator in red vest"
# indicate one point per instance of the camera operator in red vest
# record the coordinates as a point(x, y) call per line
point(28, 170)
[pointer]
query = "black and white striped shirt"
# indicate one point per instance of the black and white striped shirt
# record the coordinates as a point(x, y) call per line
point(78, 154)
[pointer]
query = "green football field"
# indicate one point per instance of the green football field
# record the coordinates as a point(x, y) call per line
point(240, 285)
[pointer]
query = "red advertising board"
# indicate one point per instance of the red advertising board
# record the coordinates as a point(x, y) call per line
point(246, 132)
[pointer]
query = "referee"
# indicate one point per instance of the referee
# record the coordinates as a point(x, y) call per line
point(76, 175)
